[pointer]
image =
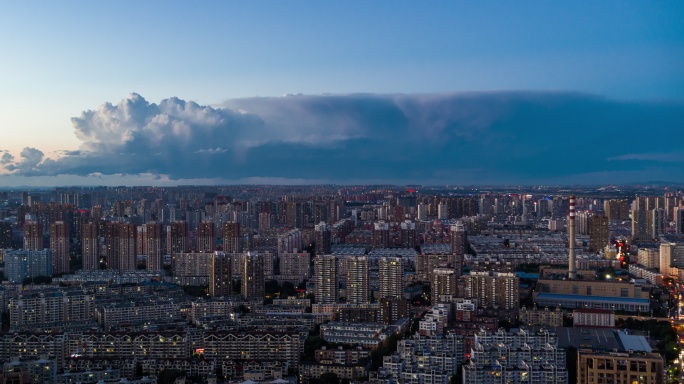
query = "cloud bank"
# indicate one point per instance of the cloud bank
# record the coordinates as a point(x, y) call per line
point(490, 137)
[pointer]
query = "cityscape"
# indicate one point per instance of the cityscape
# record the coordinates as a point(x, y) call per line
point(356, 192)
point(335, 283)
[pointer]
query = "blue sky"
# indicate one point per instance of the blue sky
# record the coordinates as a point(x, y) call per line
point(60, 59)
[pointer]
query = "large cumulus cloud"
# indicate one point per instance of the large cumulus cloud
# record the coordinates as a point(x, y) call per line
point(491, 137)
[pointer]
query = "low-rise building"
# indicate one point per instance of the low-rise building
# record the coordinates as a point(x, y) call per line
point(587, 317)
point(619, 367)
point(652, 275)
point(515, 357)
point(542, 316)
point(49, 307)
point(366, 335)
point(139, 311)
point(309, 371)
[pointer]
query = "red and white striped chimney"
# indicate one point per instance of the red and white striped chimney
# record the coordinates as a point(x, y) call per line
point(572, 268)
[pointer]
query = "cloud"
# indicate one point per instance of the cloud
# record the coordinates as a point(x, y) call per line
point(477, 137)
point(658, 157)
point(6, 158)
point(29, 163)
point(212, 150)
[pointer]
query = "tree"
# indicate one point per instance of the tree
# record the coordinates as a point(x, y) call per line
point(37, 280)
point(196, 290)
point(288, 289)
point(658, 330)
point(329, 378)
point(505, 324)
point(272, 287)
point(386, 348)
point(169, 376)
point(311, 344)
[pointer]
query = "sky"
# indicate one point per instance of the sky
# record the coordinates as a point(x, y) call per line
point(453, 92)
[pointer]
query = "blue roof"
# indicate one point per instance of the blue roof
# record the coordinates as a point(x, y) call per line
point(526, 275)
point(591, 298)
point(633, 342)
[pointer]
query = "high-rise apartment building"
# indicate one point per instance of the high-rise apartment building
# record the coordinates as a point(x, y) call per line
point(655, 219)
point(649, 257)
point(127, 258)
point(191, 268)
point(177, 238)
point(671, 202)
point(616, 209)
point(541, 208)
point(381, 235)
point(33, 236)
point(231, 238)
point(648, 203)
point(294, 214)
point(422, 212)
point(358, 284)
point(442, 211)
point(206, 237)
point(265, 221)
point(399, 213)
point(679, 219)
point(295, 265)
point(59, 245)
point(322, 238)
point(497, 290)
point(90, 246)
point(394, 308)
point(269, 264)
point(220, 274)
point(443, 284)
point(5, 235)
point(426, 263)
point(23, 263)
point(640, 225)
point(320, 211)
point(408, 234)
point(598, 233)
point(110, 253)
point(253, 282)
point(671, 255)
point(289, 242)
point(325, 278)
point(153, 245)
point(459, 245)
point(582, 223)
point(391, 277)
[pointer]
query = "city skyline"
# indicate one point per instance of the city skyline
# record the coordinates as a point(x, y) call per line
point(293, 284)
point(443, 93)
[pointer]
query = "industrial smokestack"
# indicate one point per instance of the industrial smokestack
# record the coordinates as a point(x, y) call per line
point(572, 269)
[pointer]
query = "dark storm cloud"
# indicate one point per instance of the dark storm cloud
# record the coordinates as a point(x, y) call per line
point(490, 137)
